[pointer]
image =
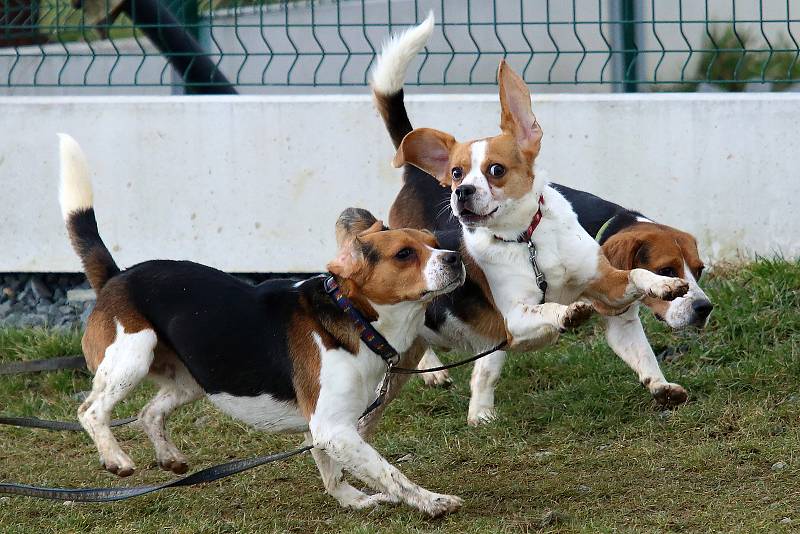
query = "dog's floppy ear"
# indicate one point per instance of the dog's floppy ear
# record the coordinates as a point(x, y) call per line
point(355, 221)
point(352, 224)
point(516, 115)
point(428, 150)
point(625, 251)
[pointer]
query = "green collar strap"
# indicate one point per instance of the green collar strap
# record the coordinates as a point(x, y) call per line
point(602, 229)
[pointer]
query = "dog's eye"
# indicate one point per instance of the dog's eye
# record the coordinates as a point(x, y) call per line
point(404, 254)
point(497, 170)
point(458, 173)
point(667, 271)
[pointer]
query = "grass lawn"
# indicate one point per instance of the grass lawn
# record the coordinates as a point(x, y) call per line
point(578, 447)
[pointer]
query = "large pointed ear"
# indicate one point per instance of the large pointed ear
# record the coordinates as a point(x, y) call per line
point(354, 222)
point(428, 150)
point(625, 251)
point(516, 115)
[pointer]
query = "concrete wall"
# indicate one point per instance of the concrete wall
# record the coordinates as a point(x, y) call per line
point(256, 183)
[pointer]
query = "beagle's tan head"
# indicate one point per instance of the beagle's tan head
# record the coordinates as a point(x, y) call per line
point(492, 179)
point(387, 266)
point(669, 252)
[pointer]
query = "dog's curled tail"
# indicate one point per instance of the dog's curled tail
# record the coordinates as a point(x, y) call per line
point(75, 197)
point(389, 73)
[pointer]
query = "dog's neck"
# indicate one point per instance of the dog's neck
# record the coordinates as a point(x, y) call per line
point(400, 323)
point(519, 214)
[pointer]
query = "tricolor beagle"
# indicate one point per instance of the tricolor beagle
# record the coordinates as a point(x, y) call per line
point(282, 356)
point(496, 193)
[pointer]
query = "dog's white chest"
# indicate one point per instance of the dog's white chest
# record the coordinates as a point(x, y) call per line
point(263, 412)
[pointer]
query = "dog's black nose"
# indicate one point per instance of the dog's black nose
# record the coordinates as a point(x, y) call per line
point(452, 258)
point(702, 308)
point(463, 192)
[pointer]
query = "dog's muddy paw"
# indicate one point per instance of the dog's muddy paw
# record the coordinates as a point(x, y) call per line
point(119, 464)
point(176, 465)
point(439, 379)
point(668, 289)
point(669, 395)
point(439, 505)
point(575, 315)
point(481, 416)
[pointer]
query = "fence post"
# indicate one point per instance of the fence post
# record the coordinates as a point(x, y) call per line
point(624, 40)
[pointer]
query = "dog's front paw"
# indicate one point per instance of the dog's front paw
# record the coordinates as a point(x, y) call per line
point(438, 505)
point(668, 288)
point(575, 315)
point(481, 416)
point(668, 394)
point(437, 379)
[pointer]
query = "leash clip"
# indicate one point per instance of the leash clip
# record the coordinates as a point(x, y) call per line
point(541, 283)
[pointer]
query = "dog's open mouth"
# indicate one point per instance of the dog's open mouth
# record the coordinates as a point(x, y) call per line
point(471, 218)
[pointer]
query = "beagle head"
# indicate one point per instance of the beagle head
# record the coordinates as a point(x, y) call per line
point(492, 179)
point(668, 252)
point(384, 266)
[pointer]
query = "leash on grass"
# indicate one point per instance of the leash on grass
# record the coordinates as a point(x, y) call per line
point(217, 472)
point(47, 364)
point(121, 493)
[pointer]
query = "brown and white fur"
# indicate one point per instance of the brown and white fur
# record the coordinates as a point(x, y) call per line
point(280, 356)
point(488, 206)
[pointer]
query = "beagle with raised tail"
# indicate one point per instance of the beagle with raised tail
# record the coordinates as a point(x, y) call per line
point(515, 229)
point(282, 356)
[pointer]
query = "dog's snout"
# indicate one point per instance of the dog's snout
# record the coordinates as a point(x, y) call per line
point(451, 258)
point(463, 192)
point(702, 308)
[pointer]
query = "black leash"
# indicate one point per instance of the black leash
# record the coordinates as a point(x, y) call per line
point(405, 371)
point(35, 422)
point(47, 364)
point(391, 369)
point(120, 493)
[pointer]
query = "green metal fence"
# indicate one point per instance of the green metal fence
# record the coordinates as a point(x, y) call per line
point(577, 45)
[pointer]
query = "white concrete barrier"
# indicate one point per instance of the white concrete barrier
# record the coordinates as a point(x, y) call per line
point(254, 184)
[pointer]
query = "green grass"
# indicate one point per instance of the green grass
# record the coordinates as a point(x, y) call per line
point(578, 447)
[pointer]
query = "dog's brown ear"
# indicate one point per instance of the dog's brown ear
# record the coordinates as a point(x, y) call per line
point(516, 115)
point(353, 222)
point(428, 150)
point(625, 251)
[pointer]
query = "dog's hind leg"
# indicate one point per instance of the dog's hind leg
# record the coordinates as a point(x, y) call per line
point(177, 387)
point(127, 361)
point(485, 375)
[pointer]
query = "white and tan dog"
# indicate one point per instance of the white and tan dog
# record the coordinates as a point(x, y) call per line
point(506, 208)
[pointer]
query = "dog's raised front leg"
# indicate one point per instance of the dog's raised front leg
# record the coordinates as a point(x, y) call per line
point(627, 339)
point(533, 326)
point(613, 289)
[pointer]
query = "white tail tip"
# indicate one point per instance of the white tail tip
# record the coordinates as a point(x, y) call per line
point(75, 187)
point(396, 54)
